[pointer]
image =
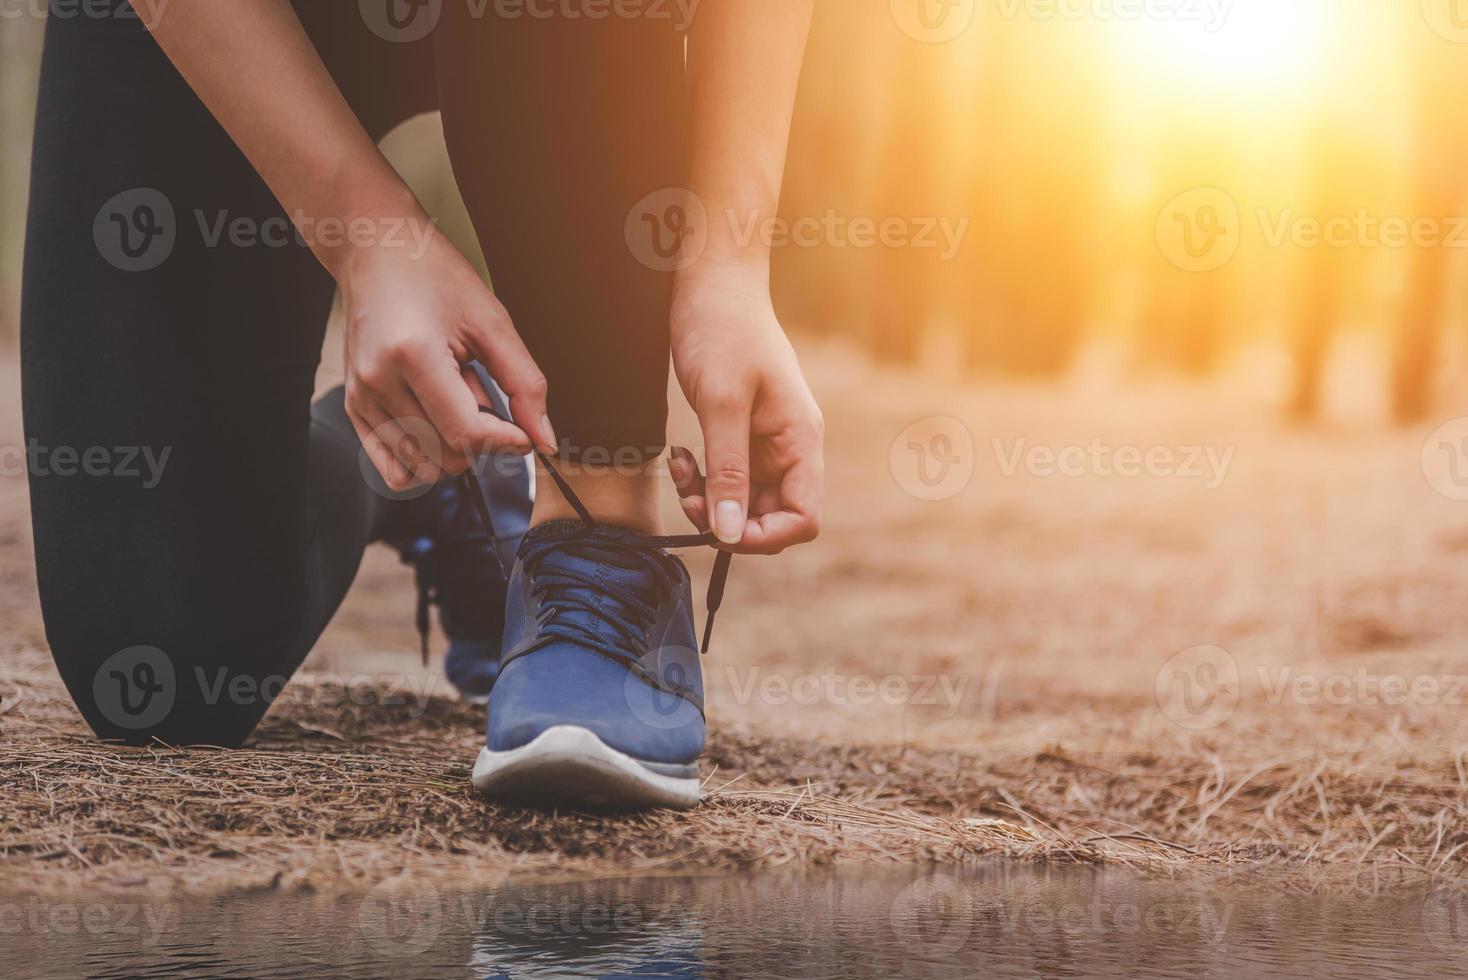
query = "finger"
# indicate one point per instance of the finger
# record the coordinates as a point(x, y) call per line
point(770, 534)
point(412, 437)
point(725, 421)
point(423, 436)
point(688, 480)
point(451, 406)
point(683, 468)
point(697, 511)
point(377, 431)
point(797, 518)
point(499, 348)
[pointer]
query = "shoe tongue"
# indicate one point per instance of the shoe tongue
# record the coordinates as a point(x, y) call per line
point(600, 548)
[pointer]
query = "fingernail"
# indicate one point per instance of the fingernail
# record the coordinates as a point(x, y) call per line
point(546, 427)
point(729, 521)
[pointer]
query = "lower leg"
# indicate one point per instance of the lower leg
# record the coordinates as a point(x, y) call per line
point(592, 307)
point(621, 495)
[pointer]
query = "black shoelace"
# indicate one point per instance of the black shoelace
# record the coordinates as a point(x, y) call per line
point(633, 616)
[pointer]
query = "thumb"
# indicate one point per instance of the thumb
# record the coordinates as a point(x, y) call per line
point(725, 423)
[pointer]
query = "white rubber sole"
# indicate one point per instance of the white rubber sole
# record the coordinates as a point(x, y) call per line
point(569, 764)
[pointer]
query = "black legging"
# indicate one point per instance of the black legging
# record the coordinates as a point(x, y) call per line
point(177, 604)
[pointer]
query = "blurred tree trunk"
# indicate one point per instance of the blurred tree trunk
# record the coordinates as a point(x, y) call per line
point(1323, 284)
point(1419, 332)
point(907, 294)
point(1439, 73)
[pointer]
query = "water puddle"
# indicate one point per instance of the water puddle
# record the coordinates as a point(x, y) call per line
point(991, 920)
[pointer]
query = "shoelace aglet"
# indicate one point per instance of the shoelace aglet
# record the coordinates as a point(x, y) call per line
point(424, 598)
point(717, 580)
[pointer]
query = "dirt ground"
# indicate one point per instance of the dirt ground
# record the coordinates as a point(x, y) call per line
point(1254, 661)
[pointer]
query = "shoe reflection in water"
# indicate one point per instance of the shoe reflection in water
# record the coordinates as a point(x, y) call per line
point(564, 931)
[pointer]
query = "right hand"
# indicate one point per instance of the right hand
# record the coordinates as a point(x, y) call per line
point(413, 324)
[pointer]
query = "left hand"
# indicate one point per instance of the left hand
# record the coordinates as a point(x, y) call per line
point(763, 432)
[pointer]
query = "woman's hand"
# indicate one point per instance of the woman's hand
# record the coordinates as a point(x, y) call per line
point(412, 322)
point(763, 432)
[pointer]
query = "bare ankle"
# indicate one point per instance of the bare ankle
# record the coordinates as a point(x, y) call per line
point(614, 495)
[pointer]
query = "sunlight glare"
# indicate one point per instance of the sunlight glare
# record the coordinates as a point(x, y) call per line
point(1232, 44)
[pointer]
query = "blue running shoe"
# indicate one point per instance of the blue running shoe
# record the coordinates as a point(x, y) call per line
point(599, 698)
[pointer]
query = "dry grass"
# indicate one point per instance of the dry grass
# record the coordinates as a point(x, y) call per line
point(1049, 604)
